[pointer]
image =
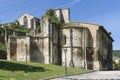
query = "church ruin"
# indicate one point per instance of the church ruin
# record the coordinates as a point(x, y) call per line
point(87, 45)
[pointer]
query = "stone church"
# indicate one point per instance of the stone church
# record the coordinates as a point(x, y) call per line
point(86, 45)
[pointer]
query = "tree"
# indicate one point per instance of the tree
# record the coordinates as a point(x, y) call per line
point(53, 18)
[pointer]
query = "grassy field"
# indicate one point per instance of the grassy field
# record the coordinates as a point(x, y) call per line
point(13, 70)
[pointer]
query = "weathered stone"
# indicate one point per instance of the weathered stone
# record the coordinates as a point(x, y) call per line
point(89, 46)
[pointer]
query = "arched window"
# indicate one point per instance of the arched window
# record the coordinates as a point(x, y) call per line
point(25, 20)
point(32, 24)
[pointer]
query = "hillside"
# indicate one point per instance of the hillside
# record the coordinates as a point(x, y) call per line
point(2, 51)
point(13, 70)
point(116, 54)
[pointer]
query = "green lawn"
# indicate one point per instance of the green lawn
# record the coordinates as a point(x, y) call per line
point(13, 70)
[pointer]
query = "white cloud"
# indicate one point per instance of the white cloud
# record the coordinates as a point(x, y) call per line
point(69, 4)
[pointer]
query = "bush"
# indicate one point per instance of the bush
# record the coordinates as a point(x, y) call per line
point(2, 47)
point(2, 51)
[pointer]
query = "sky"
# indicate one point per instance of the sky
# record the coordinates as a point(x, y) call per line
point(103, 12)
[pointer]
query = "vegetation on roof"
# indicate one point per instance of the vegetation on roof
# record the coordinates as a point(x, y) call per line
point(53, 18)
point(16, 28)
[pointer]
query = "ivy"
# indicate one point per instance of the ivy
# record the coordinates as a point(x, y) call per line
point(2, 32)
point(38, 28)
point(15, 28)
point(21, 29)
point(53, 18)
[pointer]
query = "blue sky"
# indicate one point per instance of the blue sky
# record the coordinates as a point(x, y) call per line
point(104, 12)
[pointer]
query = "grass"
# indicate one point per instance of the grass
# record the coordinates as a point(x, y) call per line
point(13, 70)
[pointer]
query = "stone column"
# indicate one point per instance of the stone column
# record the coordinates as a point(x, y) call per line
point(96, 65)
point(8, 49)
point(71, 48)
point(27, 48)
point(85, 45)
point(51, 43)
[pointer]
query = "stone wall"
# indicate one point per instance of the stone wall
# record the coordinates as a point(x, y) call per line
point(12, 48)
point(97, 50)
point(63, 15)
point(23, 48)
point(88, 46)
point(31, 23)
point(104, 50)
point(75, 43)
point(50, 41)
point(36, 47)
point(54, 44)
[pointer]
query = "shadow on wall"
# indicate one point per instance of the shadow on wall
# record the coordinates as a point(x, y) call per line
point(36, 54)
point(10, 66)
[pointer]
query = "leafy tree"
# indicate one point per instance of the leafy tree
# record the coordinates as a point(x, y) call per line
point(52, 17)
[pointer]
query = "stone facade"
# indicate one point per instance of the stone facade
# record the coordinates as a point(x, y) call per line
point(28, 21)
point(77, 39)
point(87, 45)
point(97, 46)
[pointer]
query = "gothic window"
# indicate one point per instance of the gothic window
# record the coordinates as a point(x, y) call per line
point(32, 23)
point(25, 20)
point(64, 39)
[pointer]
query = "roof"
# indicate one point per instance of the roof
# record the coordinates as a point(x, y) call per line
point(86, 23)
point(82, 24)
point(107, 33)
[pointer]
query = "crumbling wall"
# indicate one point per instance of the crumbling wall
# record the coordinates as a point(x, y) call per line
point(49, 33)
point(32, 22)
point(63, 15)
point(45, 32)
point(36, 54)
point(9, 32)
point(87, 45)
point(23, 48)
point(54, 44)
point(78, 56)
point(105, 50)
point(66, 45)
point(12, 48)
point(89, 49)
point(76, 43)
